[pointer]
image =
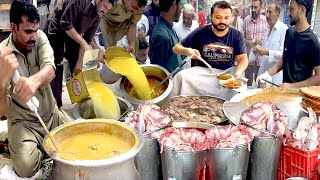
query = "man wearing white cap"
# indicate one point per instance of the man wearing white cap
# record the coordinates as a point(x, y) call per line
point(188, 24)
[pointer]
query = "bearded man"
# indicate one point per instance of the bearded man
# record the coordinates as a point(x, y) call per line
point(220, 45)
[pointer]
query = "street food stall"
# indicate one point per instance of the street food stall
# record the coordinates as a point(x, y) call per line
point(191, 131)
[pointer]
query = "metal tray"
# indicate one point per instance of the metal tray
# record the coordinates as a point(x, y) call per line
point(234, 110)
point(251, 92)
point(220, 100)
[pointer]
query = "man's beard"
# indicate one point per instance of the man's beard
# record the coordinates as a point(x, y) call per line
point(293, 22)
point(187, 25)
point(254, 15)
point(216, 26)
point(177, 16)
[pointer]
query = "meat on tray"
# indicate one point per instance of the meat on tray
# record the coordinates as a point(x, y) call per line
point(266, 116)
point(196, 109)
point(306, 134)
point(148, 117)
point(183, 139)
point(228, 136)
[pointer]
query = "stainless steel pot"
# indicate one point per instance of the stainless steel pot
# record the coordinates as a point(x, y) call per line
point(150, 70)
point(148, 160)
point(264, 158)
point(119, 167)
point(180, 165)
point(228, 163)
point(84, 109)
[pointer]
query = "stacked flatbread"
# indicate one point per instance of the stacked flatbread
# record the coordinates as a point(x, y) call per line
point(311, 98)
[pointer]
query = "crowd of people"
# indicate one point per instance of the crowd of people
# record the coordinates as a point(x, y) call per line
point(162, 32)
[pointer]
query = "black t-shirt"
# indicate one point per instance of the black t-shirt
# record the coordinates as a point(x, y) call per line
point(301, 53)
point(219, 52)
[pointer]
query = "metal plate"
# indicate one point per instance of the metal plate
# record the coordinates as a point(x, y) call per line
point(241, 81)
point(234, 110)
point(197, 125)
point(220, 100)
point(251, 92)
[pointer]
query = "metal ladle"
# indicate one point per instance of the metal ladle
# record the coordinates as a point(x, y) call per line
point(31, 104)
point(172, 73)
point(207, 64)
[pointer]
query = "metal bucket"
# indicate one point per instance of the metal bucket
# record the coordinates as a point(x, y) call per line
point(148, 160)
point(180, 165)
point(119, 167)
point(264, 158)
point(228, 163)
point(107, 75)
point(150, 70)
point(84, 109)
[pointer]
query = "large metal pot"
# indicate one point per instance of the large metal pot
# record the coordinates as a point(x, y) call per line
point(148, 160)
point(84, 109)
point(264, 158)
point(228, 163)
point(180, 165)
point(150, 70)
point(119, 167)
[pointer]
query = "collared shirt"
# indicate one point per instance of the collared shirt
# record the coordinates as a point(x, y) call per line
point(118, 15)
point(78, 14)
point(40, 56)
point(274, 43)
point(152, 12)
point(162, 41)
point(183, 31)
point(147, 61)
point(254, 29)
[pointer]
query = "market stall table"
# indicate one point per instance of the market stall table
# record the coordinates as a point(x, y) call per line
point(200, 81)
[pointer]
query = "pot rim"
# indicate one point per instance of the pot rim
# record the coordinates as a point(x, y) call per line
point(211, 96)
point(96, 163)
point(238, 146)
point(155, 100)
point(77, 115)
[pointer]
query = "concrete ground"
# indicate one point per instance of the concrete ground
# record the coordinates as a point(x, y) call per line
point(67, 106)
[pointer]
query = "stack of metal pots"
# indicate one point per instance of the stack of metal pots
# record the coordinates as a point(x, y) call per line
point(213, 164)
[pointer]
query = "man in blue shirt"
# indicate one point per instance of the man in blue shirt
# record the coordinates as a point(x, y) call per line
point(164, 36)
point(218, 44)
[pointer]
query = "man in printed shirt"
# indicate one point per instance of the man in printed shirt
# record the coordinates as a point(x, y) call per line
point(121, 20)
point(164, 37)
point(70, 29)
point(301, 55)
point(27, 50)
point(272, 45)
point(254, 26)
point(220, 45)
point(187, 24)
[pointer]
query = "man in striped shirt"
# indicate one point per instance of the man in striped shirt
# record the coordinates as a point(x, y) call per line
point(254, 27)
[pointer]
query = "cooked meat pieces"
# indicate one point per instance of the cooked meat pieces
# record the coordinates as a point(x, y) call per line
point(196, 109)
